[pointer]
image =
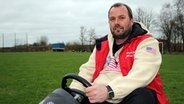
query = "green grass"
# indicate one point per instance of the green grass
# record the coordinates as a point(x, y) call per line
point(26, 78)
point(172, 71)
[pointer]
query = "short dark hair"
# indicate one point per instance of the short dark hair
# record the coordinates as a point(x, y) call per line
point(122, 4)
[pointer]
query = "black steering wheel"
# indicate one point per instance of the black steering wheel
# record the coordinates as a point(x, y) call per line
point(77, 94)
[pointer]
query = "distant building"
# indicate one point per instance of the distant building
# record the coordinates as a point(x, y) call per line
point(58, 46)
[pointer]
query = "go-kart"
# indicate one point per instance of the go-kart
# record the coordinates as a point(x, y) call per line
point(66, 95)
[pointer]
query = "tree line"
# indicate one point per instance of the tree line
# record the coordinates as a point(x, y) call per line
point(169, 23)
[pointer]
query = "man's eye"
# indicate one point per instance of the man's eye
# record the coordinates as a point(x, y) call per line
point(112, 19)
point(122, 17)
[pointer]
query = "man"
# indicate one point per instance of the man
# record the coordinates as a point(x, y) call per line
point(124, 66)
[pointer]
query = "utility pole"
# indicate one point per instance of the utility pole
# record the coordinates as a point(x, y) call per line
point(27, 46)
point(15, 41)
point(3, 42)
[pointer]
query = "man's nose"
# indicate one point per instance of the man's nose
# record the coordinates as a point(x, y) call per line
point(116, 21)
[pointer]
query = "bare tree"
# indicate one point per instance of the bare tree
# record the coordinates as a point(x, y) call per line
point(179, 20)
point(43, 41)
point(167, 23)
point(82, 36)
point(146, 17)
point(91, 38)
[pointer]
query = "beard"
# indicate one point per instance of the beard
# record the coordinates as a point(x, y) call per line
point(124, 34)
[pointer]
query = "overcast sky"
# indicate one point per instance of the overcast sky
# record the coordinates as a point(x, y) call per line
point(59, 20)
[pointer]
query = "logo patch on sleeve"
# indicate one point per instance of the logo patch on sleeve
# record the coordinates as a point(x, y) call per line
point(151, 50)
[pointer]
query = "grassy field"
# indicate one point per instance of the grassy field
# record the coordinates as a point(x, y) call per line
point(26, 78)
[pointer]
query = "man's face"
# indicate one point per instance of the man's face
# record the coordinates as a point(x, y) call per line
point(119, 21)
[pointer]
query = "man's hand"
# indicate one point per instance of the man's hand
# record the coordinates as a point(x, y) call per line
point(97, 93)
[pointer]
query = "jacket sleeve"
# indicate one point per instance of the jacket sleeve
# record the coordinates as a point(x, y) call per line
point(86, 71)
point(147, 60)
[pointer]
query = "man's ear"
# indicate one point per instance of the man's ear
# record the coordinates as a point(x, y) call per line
point(132, 22)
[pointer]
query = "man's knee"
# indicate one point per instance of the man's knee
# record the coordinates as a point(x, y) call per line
point(141, 96)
